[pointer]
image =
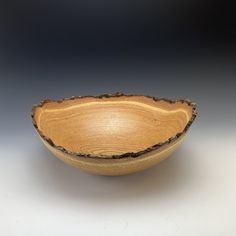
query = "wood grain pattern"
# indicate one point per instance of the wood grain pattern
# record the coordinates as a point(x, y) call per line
point(115, 134)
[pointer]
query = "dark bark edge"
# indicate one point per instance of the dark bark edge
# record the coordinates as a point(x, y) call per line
point(124, 155)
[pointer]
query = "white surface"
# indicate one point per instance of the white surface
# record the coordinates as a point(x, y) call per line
point(191, 193)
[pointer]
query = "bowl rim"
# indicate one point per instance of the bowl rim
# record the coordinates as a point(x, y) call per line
point(123, 155)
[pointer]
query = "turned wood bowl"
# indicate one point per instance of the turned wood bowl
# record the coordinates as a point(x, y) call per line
point(113, 134)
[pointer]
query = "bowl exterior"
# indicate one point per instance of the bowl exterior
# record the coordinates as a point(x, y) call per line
point(122, 166)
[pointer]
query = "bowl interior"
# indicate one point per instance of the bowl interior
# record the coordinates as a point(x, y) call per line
point(111, 126)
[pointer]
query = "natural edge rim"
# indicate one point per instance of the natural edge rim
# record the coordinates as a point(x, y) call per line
point(124, 155)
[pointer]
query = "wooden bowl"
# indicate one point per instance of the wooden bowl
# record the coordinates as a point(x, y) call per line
point(113, 134)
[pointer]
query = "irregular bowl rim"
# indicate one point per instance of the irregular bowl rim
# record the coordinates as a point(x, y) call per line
point(124, 155)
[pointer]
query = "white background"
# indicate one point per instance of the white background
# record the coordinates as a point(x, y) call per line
point(191, 193)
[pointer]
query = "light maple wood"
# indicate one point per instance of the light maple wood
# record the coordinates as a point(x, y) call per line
point(113, 135)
